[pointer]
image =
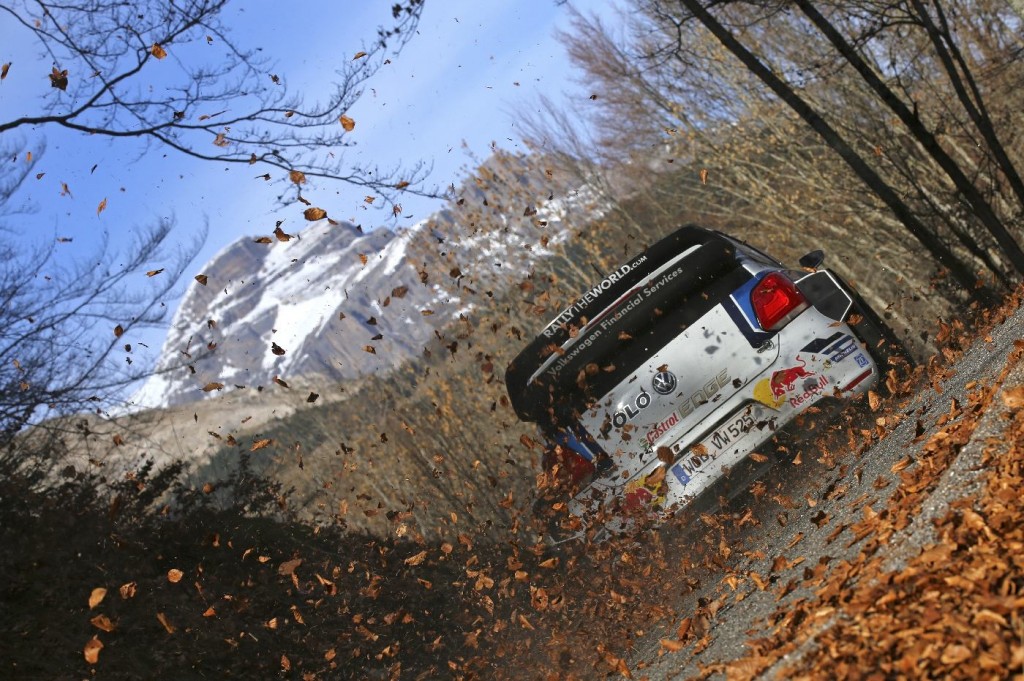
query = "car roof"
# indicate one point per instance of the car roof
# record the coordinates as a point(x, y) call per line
point(530, 397)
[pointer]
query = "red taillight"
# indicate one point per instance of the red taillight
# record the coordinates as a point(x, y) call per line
point(776, 301)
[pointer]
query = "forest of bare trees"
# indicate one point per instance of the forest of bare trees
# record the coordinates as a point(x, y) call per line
point(885, 130)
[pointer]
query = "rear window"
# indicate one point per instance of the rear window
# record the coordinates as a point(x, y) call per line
point(624, 335)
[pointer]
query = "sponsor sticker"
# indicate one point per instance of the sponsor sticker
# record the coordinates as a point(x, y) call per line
point(809, 391)
point(772, 391)
point(861, 360)
point(662, 428)
point(647, 491)
point(836, 347)
point(705, 394)
point(588, 297)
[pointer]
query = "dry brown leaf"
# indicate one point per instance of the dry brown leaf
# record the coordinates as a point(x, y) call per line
point(289, 566)
point(4, 69)
point(103, 623)
point(1014, 398)
point(128, 590)
point(313, 214)
point(158, 51)
point(281, 234)
point(59, 79)
point(260, 444)
point(213, 385)
point(874, 401)
point(97, 596)
point(102, 207)
point(670, 645)
point(359, 55)
point(277, 349)
point(684, 628)
point(347, 123)
point(901, 464)
point(202, 279)
point(417, 559)
point(297, 176)
point(118, 331)
point(92, 650)
point(167, 624)
point(174, 575)
point(153, 273)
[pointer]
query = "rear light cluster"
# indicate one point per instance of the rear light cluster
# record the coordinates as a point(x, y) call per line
point(575, 464)
point(776, 301)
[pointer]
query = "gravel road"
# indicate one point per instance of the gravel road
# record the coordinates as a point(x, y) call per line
point(814, 525)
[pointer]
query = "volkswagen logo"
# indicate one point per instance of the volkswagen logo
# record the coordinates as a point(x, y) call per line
point(664, 383)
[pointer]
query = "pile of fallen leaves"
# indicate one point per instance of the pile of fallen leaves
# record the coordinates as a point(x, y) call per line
point(954, 611)
point(957, 609)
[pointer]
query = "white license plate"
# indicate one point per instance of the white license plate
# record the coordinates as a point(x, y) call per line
point(731, 431)
point(727, 436)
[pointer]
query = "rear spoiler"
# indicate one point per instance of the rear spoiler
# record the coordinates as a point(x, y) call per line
point(530, 401)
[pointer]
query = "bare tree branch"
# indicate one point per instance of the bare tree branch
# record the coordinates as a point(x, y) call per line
point(172, 72)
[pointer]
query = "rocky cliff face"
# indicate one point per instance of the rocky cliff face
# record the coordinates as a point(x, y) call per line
point(331, 301)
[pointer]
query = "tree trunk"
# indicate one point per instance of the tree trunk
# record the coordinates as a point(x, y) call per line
point(960, 180)
point(963, 276)
point(973, 103)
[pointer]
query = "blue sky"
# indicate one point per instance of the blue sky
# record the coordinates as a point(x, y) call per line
point(462, 80)
point(474, 65)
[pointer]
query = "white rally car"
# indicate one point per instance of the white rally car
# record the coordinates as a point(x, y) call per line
point(675, 367)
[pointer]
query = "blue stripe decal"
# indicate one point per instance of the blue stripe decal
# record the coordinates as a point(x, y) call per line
point(580, 442)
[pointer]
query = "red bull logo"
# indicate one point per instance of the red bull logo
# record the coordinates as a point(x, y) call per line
point(647, 491)
point(772, 391)
point(809, 392)
point(784, 380)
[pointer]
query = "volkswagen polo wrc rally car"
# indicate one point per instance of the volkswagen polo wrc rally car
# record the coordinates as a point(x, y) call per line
point(676, 366)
